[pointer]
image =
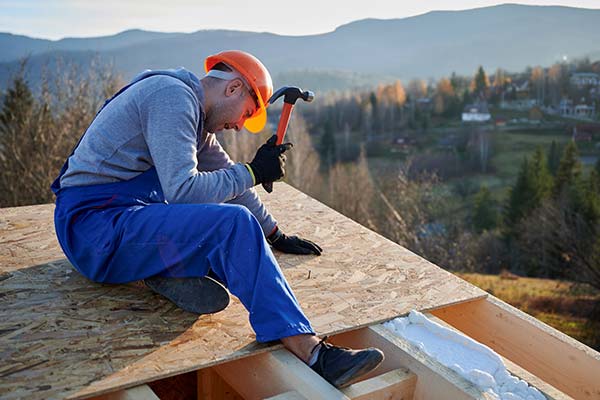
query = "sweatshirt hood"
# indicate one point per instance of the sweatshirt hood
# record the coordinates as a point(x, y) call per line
point(180, 73)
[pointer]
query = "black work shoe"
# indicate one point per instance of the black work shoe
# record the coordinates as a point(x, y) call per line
point(340, 365)
point(196, 295)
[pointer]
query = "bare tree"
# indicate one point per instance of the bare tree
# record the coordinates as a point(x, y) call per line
point(242, 146)
point(37, 133)
point(351, 191)
point(417, 88)
point(303, 162)
point(538, 77)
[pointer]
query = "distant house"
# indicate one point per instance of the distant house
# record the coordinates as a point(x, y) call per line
point(565, 108)
point(536, 114)
point(403, 143)
point(582, 111)
point(585, 111)
point(581, 79)
point(477, 112)
point(522, 90)
point(424, 104)
point(521, 104)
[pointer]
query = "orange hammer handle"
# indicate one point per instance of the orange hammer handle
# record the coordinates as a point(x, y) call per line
point(284, 120)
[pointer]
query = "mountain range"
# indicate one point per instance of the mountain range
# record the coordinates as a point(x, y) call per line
point(363, 52)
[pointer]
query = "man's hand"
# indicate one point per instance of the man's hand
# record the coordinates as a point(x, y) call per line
point(293, 244)
point(268, 164)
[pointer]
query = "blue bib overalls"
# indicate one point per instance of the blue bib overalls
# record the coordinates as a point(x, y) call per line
point(126, 231)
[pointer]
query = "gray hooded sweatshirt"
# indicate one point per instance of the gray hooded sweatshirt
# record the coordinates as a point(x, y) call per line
point(159, 122)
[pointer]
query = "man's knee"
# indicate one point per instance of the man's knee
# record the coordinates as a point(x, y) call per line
point(242, 217)
point(239, 212)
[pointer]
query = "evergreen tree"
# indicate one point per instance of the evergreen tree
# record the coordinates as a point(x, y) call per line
point(521, 200)
point(593, 184)
point(455, 81)
point(480, 83)
point(485, 215)
point(17, 107)
point(591, 200)
point(533, 186)
point(328, 145)
point(376, 113)
point(542, 180)
point(554, 158)
point(466, 99)
point(569, 170)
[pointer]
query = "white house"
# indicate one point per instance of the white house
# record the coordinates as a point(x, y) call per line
point(581, 79)
point(477, 112)
point(585, 111)
point(568, 109)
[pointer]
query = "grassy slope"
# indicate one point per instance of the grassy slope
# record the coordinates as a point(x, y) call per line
point(508, 151)
point(563, 305)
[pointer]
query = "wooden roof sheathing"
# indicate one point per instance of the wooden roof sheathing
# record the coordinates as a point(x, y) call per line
point(62, 335)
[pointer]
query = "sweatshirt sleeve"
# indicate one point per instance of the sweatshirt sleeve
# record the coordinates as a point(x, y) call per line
point(211, 157)
point(170, 118)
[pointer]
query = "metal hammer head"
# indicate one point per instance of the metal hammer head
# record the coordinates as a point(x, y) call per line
point(291, 94)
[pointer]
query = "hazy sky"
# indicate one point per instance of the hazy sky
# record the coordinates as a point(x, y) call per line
point(55, 19)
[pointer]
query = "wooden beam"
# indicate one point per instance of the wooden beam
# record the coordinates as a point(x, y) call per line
point(208, 381)
point(269, 374)
point(434, 380)
point(548, 390)
point(212, 387)
point(142, 392)
point(288, 396)
point(554, 357)
point(177, 387)
point(398, 384)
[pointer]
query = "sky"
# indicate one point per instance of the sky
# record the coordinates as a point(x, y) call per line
point(56, 19)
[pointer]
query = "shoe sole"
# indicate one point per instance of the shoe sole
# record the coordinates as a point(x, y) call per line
point(368, 364)
point(196, 295)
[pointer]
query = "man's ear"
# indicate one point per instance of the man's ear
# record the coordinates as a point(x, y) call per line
point(234, 86)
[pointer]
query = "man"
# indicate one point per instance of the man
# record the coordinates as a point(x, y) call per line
point(149, 194)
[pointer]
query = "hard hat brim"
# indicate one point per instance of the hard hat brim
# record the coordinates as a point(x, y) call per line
point(257, 122)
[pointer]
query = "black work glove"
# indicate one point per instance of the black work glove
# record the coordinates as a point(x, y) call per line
point(269, 162)
point(292, 244)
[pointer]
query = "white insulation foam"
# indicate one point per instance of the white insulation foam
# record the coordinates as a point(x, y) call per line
point(474, 361)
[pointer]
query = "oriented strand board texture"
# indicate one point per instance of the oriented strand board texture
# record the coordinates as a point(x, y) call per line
point(62, 335)
point(27, 237)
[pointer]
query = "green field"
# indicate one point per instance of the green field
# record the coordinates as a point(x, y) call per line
point(508, 148)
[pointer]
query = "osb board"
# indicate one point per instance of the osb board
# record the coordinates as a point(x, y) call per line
point(61, 335)
point(27, 237)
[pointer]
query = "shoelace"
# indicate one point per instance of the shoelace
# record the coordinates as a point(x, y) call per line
point(322, 341)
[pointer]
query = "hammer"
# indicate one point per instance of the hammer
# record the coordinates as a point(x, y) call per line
point(290, 95)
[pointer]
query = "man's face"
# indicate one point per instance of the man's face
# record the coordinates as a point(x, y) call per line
point(233, 108)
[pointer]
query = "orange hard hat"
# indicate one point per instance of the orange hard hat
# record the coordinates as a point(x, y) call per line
point(255, 74)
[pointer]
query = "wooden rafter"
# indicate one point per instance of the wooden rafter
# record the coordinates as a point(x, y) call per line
point(552, 356)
